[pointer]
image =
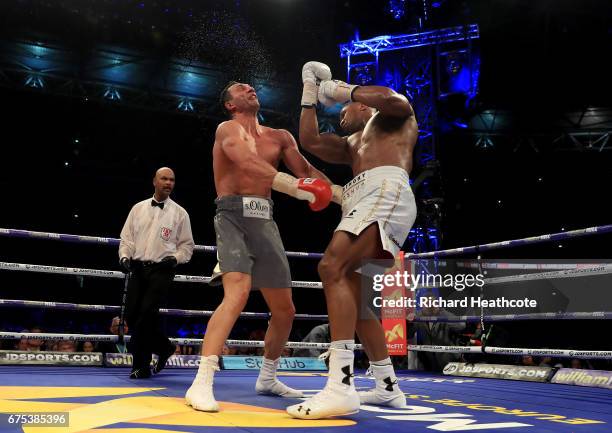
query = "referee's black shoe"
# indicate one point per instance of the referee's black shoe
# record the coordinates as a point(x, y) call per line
point(163, 358)
point(140, 373)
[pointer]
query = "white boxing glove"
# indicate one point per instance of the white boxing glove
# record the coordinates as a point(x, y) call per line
point(312, 74)
point(335, 91)
point(315, 72)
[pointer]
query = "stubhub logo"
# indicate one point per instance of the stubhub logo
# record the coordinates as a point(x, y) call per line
point(284, 364)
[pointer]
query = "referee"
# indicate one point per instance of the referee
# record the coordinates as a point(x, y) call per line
point(155, 238)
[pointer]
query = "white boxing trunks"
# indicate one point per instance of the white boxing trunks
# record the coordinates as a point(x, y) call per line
point(382, 195)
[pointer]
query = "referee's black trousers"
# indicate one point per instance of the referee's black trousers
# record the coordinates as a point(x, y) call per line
point(148, 289)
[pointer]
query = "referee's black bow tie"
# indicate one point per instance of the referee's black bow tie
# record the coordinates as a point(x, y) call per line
point(154, 203)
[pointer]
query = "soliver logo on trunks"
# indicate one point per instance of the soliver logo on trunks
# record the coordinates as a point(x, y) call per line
point(258, 206)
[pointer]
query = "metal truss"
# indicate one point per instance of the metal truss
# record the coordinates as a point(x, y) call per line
point(419, 88)
point(422, 239)
point(586, 130)
point(401, 42)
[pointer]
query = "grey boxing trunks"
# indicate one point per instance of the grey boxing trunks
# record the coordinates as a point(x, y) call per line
point(248, 241)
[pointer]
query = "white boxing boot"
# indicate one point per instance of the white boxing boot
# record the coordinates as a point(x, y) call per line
point(339, 396)
point(268, 384)
point(200, 395)
point(387, 391)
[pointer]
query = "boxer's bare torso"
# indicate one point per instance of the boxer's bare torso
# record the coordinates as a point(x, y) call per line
point(384, 141)
point(267, 143)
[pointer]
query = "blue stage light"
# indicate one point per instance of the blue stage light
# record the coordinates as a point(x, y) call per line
point(112, 94)
point(186, 105)
point(397, 9)
point(34, 81)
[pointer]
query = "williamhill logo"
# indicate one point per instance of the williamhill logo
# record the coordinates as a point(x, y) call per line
point(118, 360)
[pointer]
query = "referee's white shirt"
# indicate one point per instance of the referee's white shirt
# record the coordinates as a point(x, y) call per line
point(151, 233)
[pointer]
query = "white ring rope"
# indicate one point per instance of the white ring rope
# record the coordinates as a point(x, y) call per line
point(181, 341)
point(115, 308)
point(558, 353)
point(52, 305)
point(602, 269)
point(504, 266)
point(63, 270)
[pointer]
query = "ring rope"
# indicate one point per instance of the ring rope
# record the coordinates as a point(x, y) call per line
point(504, 266)
point(19, 303)
point(594, 315)
point(559, 353)
point(552, 237)
point(63, 270)
point(63, 237)
point(601, 269)
point(114, 308)
point(181, 341)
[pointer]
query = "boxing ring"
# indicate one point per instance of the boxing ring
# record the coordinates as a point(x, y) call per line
point(106, 400)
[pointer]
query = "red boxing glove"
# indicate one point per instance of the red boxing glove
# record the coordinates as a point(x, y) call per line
point(320, 189)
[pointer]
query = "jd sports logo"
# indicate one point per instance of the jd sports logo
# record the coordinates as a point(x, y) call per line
point(450, 368)
point(389, 384)
point(347, 375)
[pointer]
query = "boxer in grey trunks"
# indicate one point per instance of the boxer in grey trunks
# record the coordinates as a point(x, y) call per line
point(251, 253)
point(248, 242)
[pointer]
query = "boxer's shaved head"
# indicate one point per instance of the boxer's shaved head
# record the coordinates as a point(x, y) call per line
point(354, 116)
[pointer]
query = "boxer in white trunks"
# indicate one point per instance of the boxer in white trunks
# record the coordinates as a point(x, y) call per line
point(378, 210)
